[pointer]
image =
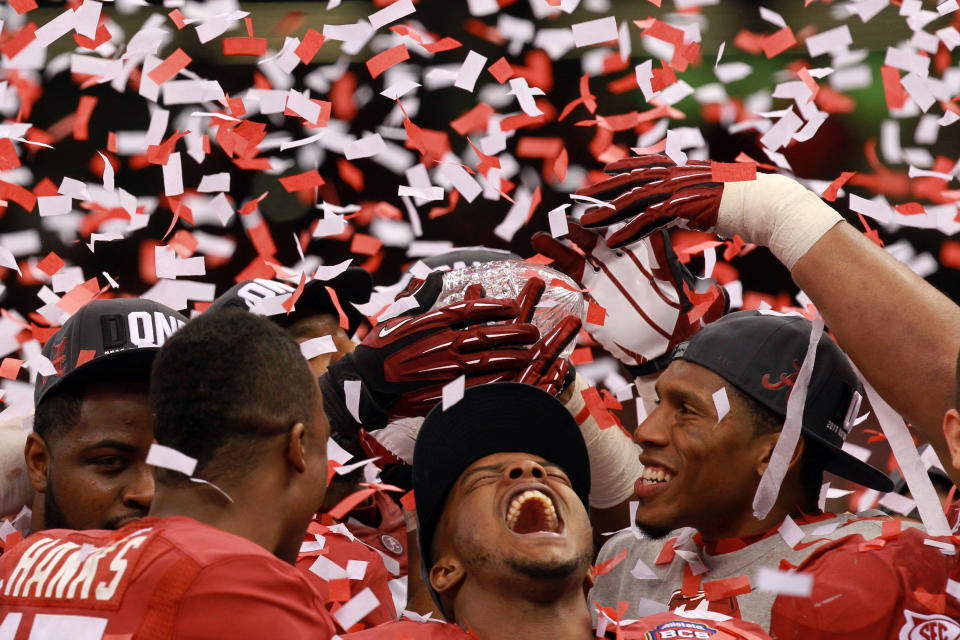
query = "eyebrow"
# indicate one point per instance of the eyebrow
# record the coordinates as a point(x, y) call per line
point(499, 468)
point(112, 444)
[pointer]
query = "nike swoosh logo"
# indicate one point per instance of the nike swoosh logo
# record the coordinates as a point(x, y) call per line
point(388, 330)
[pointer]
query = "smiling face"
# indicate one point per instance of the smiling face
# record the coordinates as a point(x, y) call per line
point(513, 516)
point(698, 472)
point(94, 475)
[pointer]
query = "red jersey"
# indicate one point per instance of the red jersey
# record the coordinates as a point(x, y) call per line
point(390, 536)
point(662, 626)
point(906, 589)
point(157, 578)
point(343, 569)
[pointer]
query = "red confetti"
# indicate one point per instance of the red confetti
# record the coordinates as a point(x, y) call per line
point(23, 197)
point(607, 565)
point(364, 244)
point(910, 208)
point(895, 93)
point(101, 36)
point(244, 46)
point(292, 300)
point(21, 39)
point(473, 120)
point(85, 356)
point(22, 6)
point(726, 588)
point(178, 19)
point(777, 43)
point(501, 70)
point(51, 264)
point(350, 174)
point(82, 121)
point(308, 48)
point(732, 171)
point(386, 59)
point(306, 180)
point(344, 321)
point(830, 193)
point(596, 314)
point(950, 254)
point(10, 368)
point(8, 155)
point(174, 64)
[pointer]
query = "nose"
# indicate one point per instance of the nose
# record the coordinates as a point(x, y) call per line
point(524, 469)
point(138, 494)
point(653, 430)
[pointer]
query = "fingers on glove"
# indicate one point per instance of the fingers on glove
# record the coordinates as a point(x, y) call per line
point(427, 293)
point(643, 225)
point(527, 300)
point(564, 258)
point(421, 401)
point(546, 352)
point(494, 336)
point(638, 162)
point(554, 380)
point(473, 292)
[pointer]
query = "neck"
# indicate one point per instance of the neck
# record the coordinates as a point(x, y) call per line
point(204, 504)
point(789, 504)
point(36, 513)
point(521, 614)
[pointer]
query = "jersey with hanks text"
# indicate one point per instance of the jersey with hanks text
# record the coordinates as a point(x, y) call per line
point(157, 578)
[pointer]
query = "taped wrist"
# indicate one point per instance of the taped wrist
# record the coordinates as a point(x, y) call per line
point(614, 458)
point(775, 212)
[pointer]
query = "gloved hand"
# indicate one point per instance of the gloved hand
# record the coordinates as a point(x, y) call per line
point(404, 362)
point(644, 288)
point(651, 192)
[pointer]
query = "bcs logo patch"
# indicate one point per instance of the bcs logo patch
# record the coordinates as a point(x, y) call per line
point(678, 629)
point(928, 627)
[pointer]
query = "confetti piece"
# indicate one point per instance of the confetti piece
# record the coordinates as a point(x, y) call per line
point(722, 403)
point(22, 6)
point(777, 43)
point(830, 193)
point(386, 59)
point(309, 46)
point(789, 583)
point(245, 46)
point(470, 71)
point(595, 31)
point(300, 181)
point(51, 264)
point(8, 155)
point(356, 608)
point(726, 588)
point(55, 29)
point(10, 368)
point(365, 147)
point(391, 13)
point(452, 392)
point(558, 221)
point(733, 171)
point(87, 17)
point(174, 64)
point(82, 120)
point(173, 176)
point(169, 458)
point(318, 346)
point(501, 70)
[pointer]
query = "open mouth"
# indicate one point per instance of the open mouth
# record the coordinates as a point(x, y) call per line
point(532, 511)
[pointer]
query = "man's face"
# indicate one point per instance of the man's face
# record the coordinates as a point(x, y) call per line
point(697, 472)
point(97, 476)
point(513, 514)
point(317, 326)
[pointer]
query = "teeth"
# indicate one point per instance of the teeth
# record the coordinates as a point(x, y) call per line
point(657, 474)
point(513, 513)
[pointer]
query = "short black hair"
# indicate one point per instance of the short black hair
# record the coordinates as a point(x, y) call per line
point(225, 380)
point(813, 462)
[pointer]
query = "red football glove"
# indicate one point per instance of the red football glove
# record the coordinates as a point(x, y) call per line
point(650, 192)
point(404, 362)
point(649, 296)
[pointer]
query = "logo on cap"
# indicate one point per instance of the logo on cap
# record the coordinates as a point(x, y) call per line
point(676, 630)
point(785, 379)
point(928, 627)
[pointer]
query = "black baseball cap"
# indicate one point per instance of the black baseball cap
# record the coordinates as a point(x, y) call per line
point(352, 286)
point(107, 336)
point(491, 418)
point(466, 256)
point(760, 353)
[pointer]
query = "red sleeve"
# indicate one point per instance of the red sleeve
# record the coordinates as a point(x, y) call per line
point(869, 593)
point(251, 598)
point(408, 630)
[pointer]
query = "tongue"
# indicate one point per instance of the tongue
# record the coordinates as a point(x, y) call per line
point(532, 518)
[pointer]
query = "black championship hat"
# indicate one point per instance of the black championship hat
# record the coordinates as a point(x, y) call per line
point(491, 418)
point(353, 285)
point(761, 354)
point(108, 336)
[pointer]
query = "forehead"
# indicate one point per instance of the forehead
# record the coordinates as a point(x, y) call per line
point(686, 376)
point(117, 412)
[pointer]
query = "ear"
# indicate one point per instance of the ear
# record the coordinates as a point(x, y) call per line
point(951, 431)
point(37, 456)
point(589, 580)
point(297, 447)
point(446, 575)
point(764, 449)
